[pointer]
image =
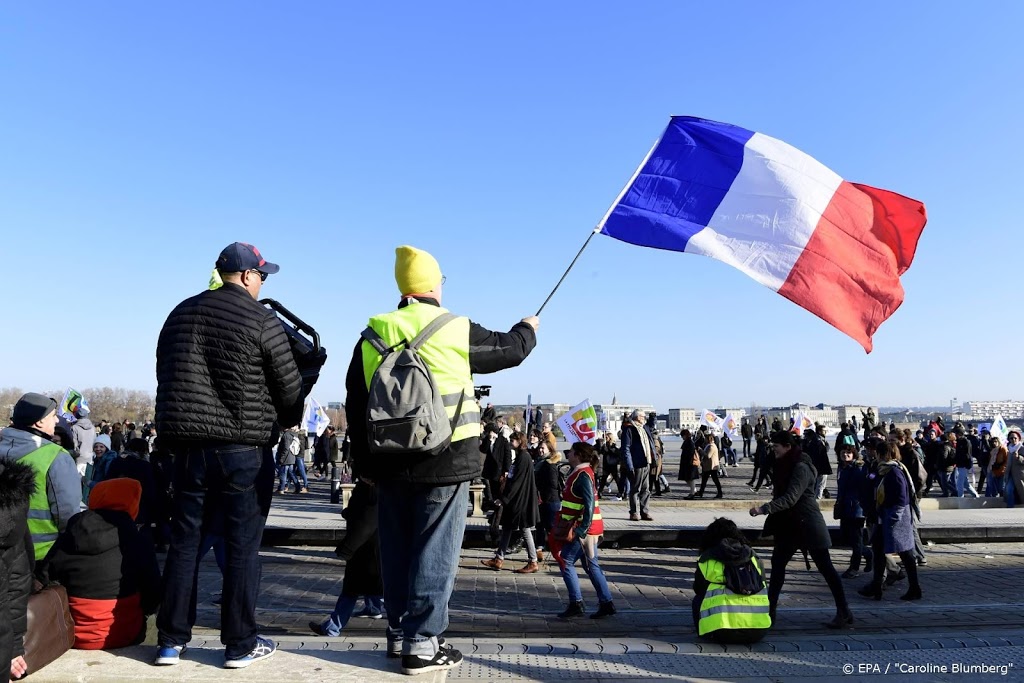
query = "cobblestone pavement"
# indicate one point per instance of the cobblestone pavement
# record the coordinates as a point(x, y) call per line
point(972, 615)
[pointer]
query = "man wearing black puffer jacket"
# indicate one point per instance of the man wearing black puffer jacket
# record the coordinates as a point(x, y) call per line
point(226, 375)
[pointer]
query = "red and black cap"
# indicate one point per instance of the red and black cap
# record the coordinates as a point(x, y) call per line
point(240, 257)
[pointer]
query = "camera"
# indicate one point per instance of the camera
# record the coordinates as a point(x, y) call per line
point(481, 391)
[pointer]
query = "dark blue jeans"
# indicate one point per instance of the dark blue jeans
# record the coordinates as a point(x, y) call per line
point(216, 484)
point(421, 529)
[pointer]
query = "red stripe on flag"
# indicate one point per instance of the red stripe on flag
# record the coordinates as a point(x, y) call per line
point(848, 274)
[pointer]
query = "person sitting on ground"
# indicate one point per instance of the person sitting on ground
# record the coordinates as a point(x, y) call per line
point(361, 553)
point(58, 492)
point(108, 568)
point(730, 602)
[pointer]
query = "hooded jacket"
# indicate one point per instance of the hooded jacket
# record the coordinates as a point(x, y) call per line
point(794, 518)
point(83, 433)
point(63, 483)
point(107, 567)
point(17, 482)
point(729, 551)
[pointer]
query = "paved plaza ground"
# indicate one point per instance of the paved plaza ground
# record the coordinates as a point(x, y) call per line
point(972, 614)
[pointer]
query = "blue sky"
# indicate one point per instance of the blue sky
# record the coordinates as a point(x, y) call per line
point(140, 138)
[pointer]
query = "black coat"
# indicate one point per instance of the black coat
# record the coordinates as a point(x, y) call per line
point(17, 482)
point(497, 460)
point(132, 466)
point(359, 548)
point(817, 448)
point(225, 371)
point(686, 467)
point(520, 496)
point(794, 518)
point(546, 478)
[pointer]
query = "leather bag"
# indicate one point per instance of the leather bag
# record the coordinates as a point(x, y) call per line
point(51, 631)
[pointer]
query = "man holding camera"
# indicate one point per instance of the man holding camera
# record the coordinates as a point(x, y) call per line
point(225, 376)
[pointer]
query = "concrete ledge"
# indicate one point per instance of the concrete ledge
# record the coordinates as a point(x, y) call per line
point(654, 537)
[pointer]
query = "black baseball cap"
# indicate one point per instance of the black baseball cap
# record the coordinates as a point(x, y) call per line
point(239, 257)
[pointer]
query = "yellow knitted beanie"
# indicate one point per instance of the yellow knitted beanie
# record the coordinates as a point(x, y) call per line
point(416, 271)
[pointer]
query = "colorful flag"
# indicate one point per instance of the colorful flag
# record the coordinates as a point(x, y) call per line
point(999, 428)
point(731, 426)
point(802, 422)
point(830, 246)
point(709, 418)
point(580, 423)
point(73, 405)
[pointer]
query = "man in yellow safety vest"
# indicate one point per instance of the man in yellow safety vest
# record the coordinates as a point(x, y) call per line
point(58, 493)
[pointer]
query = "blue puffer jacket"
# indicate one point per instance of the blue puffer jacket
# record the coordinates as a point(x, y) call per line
point(851, 484)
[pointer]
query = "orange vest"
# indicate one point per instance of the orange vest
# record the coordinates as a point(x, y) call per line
point(572, 505)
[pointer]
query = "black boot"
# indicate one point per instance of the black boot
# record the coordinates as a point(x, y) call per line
point(843, 619)
point(913, 594)
point(575, 609)
point(871, 591)
point(605, 609)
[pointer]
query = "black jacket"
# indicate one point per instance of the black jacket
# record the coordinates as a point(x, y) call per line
point(794, 518)
point(17, 482)
point(520, 496)
point(488, 352)
point(545, 476)
point(225, 371)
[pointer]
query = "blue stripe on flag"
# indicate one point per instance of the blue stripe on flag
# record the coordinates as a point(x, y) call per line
point(675, 194)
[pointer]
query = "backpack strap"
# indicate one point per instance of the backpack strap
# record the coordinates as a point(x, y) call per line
point(374, 339)
point(428, 331)
point(425, 334)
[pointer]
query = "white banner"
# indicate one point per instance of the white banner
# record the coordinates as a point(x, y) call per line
point(580, 423)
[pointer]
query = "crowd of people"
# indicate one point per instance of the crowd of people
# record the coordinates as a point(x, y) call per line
point(90, 506)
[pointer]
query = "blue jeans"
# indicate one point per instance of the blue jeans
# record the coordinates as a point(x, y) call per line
point(226, 485)
point(572, 552)
point(995, 486)
point(343, 609)
point(286, 475)
point(421, 530)
point(299, 473)
point(962, 482)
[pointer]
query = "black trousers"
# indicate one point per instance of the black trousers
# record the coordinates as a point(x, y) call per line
point(713, 475)
point(822, 560)
point(852, 531)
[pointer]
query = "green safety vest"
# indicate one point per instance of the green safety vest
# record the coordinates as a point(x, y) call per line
point(723, 609)
point(40, 519)
point(446, 353)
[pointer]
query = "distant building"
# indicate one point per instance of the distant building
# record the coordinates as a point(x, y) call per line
point(987, 410)
point(848, 412)
point(682, 418)
point(821, 413)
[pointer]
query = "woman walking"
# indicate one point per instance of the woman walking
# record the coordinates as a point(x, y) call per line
point(795, 520)
point(689, 463)
point(518, 505)
point(709, 463)
point(577, 532)
point(893, 528)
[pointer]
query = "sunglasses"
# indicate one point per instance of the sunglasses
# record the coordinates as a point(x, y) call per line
point(263, 276)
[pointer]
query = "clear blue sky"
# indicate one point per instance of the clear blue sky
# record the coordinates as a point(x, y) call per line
point(140, 138)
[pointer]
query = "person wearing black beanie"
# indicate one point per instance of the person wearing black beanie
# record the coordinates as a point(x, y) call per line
point(58, 493)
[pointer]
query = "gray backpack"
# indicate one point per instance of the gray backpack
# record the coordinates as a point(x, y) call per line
point(405, 412)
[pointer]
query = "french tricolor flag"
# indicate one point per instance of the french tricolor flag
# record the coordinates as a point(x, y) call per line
point(833, 247)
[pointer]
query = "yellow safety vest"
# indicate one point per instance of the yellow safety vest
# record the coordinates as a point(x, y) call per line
point(446, 353)
point(723, 609)
point(40, 519)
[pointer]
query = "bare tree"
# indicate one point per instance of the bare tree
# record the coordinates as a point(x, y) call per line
point(8, 397)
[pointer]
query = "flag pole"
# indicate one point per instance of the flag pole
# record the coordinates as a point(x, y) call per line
point(590, 237)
